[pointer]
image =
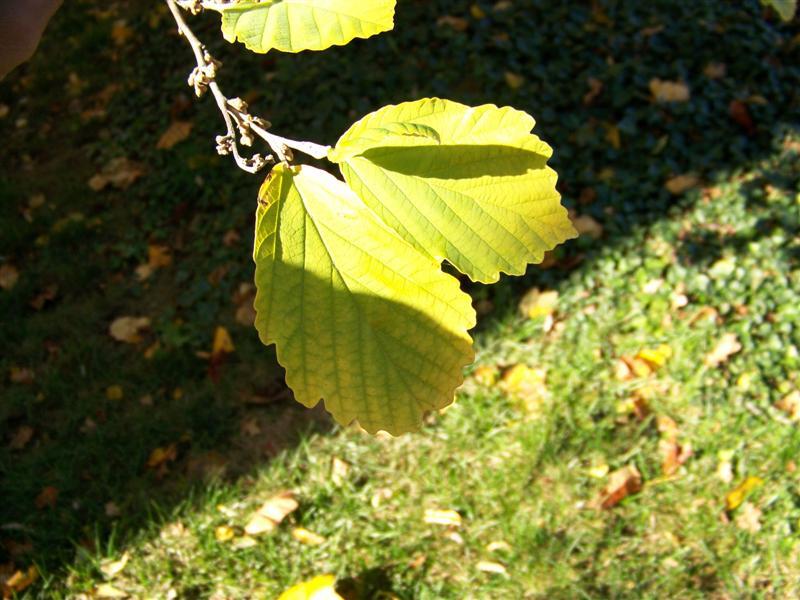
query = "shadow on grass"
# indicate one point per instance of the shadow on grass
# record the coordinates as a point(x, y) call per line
point(614, 148)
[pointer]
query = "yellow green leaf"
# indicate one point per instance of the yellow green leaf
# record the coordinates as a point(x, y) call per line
point(359, 317)
point(321, 587)
point(297, 25)
point(785, 8)
point(478, 193)
point(741, 491)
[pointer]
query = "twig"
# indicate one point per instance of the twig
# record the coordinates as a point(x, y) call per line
point(234, 111)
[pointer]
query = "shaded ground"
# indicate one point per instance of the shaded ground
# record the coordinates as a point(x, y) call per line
point(75, 486)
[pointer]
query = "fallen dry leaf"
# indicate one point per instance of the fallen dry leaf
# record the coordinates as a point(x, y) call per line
point(48, 294)
point(528, 386)
point(120, 173)
point(457, 23)
point(19, 581)
point(715, 70)
point(223, 344)
point(259, 525)
point(158, 257)
point(587, 225)
point(727, 346)
point(513, 80)
point(498, 546)
point(630, 367)
point(21, 375)
point(112, 510)
point(175, 133)
point(749, 518)
point(224, 533)
point(477, 12)
point(669, 91)
point(106, 590)
point(790, 404)
point(673, 455)
point(339, 470)
point(486, 374)
point(595, 89)
point(244, 542)
point(621, 484)
point(21, 437)
point(114, 392)
point(725, 466)
point(271, 513)
point(309, 538)
point(655, 357)
point(322, 587)
point(537, 303)
point(739, 112)
point(8, 276)
point(449, 518)
point(487, 566)
point(47, 498)
point(249, 427)
point(120, 32)
point(738, 495)
point(112, 568)
point(682, 183)
point(128, 329)
point(162, 455)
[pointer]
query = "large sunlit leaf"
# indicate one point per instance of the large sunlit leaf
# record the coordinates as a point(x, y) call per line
point(470, 185)
point(359, 317)
point(785, 8)
point(296, 25)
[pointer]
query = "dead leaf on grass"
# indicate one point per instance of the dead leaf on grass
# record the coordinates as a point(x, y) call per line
point(224, 533)
point(669, 91)
point(790, 404)
point(120, 173)
point(735, 497)
point(48, 294)
point(528, 386)
point(595, 89)
point(588, 226)
point(456, 23)
point(621, 484)
point(106, 590)
point(309, 538)
point(8, 276)
point(177, 132)
point(681, 184)
point(160, 456)
point(19, 581)
point(449, 518)
point(21, 437)
point(111, 568)
point(21, 375)
point(537, 303)
point(47, 498)
point(749, 518)
point(340, 469)
point(271, 513)
point(727, 346)
point(487, 566)
point(128, 329)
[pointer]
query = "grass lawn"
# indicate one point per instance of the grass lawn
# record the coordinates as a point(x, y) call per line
point(671, 354)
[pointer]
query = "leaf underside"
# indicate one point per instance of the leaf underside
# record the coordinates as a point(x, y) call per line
point(785, 8)
point(359, 317)
point(469, 185)
point(297, 25)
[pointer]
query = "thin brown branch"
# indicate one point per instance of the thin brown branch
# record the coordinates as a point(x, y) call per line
point(234, 111)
